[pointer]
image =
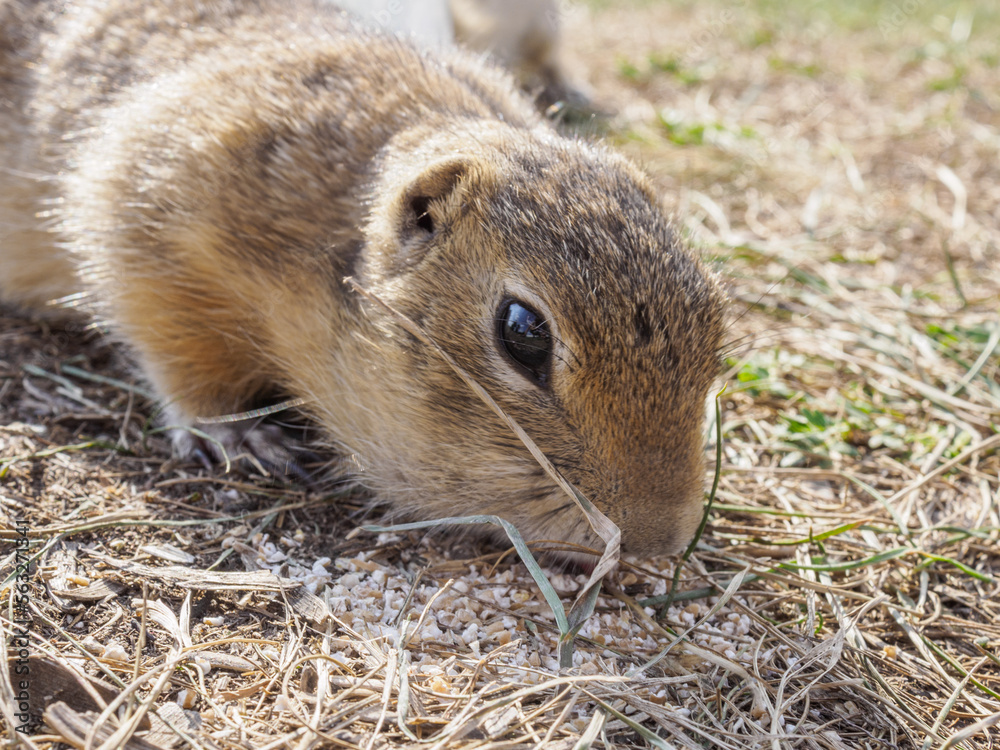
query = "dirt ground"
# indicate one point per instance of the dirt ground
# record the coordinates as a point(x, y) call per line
point(837, 163)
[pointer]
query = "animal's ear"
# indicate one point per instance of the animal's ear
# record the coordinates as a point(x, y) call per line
point(419, 204)
point(431, 201)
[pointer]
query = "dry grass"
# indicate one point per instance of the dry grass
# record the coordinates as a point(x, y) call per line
point(843, 172)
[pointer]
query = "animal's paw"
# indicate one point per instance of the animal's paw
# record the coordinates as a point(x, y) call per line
point(246, 445)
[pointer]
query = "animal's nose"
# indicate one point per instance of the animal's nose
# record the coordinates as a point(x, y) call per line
point(659, 507)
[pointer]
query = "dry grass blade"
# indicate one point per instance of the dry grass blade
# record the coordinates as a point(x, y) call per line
point(203, 580)
point(732, 587)
point(264, 411)
point(592, 731)
point(708, 505)
point(980, 727)
point(984, 445)
point(79, 730)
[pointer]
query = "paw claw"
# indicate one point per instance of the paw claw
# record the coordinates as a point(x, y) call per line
point(201, 457)
point(265, 447)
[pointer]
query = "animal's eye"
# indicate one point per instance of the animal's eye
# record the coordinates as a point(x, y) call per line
point(525, 336)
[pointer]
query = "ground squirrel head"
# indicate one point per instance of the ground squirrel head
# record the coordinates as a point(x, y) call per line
point(547, 270)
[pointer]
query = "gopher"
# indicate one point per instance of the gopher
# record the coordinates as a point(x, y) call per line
point(214, 181)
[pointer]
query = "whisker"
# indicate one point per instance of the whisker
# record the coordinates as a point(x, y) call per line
point(765, 293)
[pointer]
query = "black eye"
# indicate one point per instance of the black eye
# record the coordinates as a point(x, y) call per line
point(526, 338)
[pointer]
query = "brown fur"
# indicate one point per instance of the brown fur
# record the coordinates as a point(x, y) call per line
point(218, 168)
